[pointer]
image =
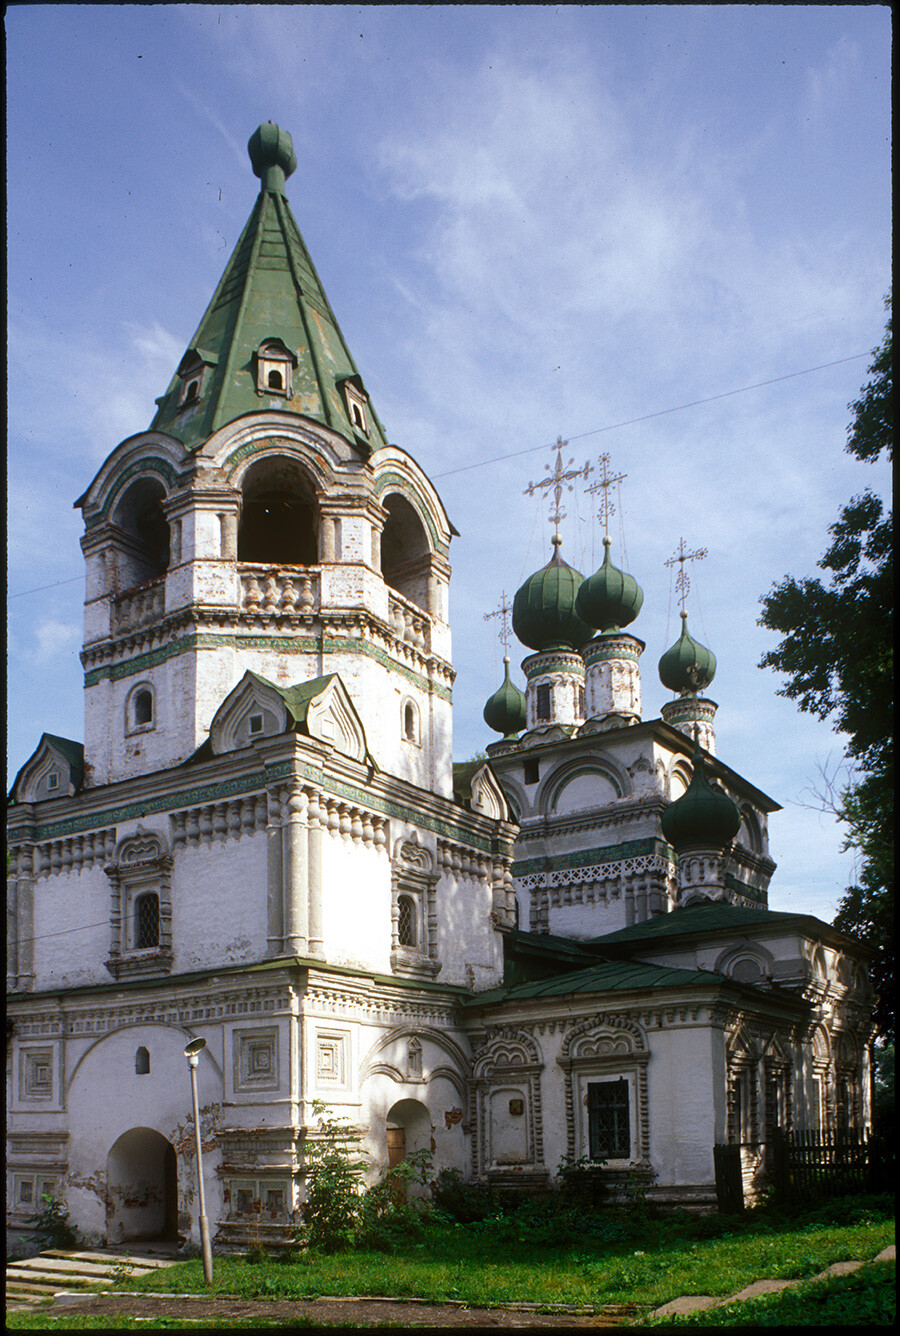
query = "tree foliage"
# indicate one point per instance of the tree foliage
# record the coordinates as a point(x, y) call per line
point(837, 656)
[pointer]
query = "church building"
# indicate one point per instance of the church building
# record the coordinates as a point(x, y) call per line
point(263, 841)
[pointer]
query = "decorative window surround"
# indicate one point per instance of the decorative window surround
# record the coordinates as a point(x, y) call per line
point(414, 905)
point(507, 1069)
point(143, 865)
point(603, 1048)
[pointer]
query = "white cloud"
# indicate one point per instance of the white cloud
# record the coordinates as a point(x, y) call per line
point(54, 639)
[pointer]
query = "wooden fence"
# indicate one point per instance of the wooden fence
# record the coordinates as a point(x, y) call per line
point(805, 1165)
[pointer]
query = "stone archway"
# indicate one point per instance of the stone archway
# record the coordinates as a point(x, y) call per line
point(408, 1127)
point(142, 1187)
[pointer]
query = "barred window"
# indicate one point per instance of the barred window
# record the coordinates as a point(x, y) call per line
point(146, 920)
point(609, 1124)
point(406, 921)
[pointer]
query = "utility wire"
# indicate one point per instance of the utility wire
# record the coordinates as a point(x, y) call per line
point(532, 449)
point(614, 426)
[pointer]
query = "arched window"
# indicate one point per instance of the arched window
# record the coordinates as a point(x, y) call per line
point(192, 391)
point(275, 380)
point(143, 706)
point(146, 921)
point(406, 921)
point(142, 1062)
point(410, 722)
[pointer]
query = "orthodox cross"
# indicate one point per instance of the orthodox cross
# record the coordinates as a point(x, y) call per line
point(503, 613)
point(557, 478)
point(682, 582)
point(606, 506)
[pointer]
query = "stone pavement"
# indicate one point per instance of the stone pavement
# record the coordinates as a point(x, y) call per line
point(695, 1303)
point(34, 1280)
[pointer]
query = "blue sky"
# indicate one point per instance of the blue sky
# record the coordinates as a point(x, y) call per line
point(531, 221)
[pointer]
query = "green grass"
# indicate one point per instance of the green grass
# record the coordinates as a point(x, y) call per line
point(606, 1258)
point(867, 1298)
point(508, 1261)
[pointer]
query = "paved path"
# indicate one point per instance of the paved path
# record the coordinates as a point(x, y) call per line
point(34, 1280)
point(694, 1303)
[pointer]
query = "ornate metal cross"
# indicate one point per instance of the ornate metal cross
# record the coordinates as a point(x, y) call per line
point(558, 477)
point(503, 613)
point(682, 581)
point(603, 485)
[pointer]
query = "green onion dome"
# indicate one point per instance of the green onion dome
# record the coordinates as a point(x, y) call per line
point(609, 599)
point(272, 156)
point(505, 711)
point(688, 667)
point(703, 815)
point(544, 615)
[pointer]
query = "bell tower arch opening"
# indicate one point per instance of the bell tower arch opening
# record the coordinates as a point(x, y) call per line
point(142, 1187)
point(279, 523)
point(142, 523)
point(405, 551)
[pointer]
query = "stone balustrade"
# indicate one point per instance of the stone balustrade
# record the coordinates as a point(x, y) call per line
point(270, 591)
point(408, 622)
point(139, 607)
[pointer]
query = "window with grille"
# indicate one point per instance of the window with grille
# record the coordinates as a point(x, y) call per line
point(146, 920)
point(406, 921)
point(609, 1121)
point(543, 701)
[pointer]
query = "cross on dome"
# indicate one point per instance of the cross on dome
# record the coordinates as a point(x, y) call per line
point(682, 580)
point(503, 612)
point(603, 485)
point(558, 477)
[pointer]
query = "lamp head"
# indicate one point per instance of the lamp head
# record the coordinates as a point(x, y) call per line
point(194, 1047)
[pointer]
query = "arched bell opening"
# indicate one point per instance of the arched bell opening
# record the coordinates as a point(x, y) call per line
point(405, 553)
point(143, 533)
point(279, 522)
point(142, 1187)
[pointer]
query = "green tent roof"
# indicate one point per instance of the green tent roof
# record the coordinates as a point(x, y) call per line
point(269, 291)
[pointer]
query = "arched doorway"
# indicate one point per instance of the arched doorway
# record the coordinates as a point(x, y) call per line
point(279, 515)
point(408, 1128)
point(405, 555)
point(142, 1187)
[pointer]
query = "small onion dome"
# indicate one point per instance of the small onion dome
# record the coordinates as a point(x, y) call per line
point(609, 599)
point(505, 711)
point(703, 815)
point(688, 667)
point(272, 156)
point(544, 615)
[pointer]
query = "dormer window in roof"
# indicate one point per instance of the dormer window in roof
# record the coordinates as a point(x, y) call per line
point(193, 373)
point(274, 364)
point(357, 402)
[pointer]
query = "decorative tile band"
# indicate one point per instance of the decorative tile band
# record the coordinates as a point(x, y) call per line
point(295, 644)
point(583, 858)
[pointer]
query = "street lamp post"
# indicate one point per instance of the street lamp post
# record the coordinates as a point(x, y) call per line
point(192, 1054)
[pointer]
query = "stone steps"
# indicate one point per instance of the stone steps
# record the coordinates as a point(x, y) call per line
point(37, 1280)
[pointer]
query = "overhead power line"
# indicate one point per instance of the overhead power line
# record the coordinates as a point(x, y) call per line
point(614, 426)
point(533, 449)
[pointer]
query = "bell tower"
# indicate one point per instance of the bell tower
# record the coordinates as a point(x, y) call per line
point(264, 522)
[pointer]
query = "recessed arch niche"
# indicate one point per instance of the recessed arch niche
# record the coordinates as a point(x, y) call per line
point(279, 523)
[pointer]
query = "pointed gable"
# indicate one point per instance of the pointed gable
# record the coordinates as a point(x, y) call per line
point(320, 709)
point(56, 770)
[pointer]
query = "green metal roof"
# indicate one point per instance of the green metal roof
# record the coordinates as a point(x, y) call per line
point(610, 976)
point(702, 918)
point(269, 291)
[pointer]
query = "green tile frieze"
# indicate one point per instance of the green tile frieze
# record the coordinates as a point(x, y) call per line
point(611, 853)
point(116, 672)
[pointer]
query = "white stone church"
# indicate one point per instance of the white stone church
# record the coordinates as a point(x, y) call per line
point(262, 841)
